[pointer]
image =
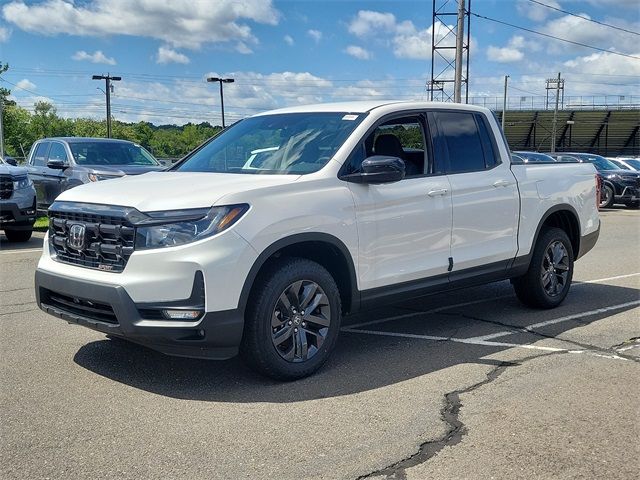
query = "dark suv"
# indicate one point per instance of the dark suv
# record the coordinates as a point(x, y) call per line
point(618, 186)
point(58, 164)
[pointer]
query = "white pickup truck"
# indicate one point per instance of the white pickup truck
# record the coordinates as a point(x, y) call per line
point(347, 206)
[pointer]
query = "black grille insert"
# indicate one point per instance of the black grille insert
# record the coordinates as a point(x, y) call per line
point(107, 244)
point(6, 187)
point(80, 306)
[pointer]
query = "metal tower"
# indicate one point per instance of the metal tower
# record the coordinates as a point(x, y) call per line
point(448, 23)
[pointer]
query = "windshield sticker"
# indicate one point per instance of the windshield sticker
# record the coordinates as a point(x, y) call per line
point(350, 117)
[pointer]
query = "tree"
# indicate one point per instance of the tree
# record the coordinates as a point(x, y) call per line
point(5, 92)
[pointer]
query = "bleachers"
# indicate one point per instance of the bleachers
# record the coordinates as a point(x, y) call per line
point(606, 132)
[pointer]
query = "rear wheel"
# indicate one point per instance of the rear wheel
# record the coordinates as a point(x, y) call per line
point(606, 197)
point(547, 282)
point(17, 235)
point(292, 320)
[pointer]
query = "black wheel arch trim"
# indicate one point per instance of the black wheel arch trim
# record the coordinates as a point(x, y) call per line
point(268, 252)
point(521, 263)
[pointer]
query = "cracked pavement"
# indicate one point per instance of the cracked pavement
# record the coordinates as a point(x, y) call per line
point(456, 386)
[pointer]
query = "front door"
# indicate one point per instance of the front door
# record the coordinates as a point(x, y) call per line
point(404, 228)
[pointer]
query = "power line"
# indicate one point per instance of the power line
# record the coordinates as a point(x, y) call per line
point(554, 37)
point(585, 18)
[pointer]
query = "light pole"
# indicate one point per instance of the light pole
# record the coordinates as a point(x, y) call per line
point(221, 81)
point(107, 81)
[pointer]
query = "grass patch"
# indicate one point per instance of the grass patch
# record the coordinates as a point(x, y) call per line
point(42, 223)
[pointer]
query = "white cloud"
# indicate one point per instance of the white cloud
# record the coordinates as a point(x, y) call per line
point(368, 22)
point(95, 57)
point(168, 55)
point(243, 48)
point(358, 52)
point(26, 84)
point(179, 23)
point(514, 51)
point(582, 31)
point(5, 33)
point(405, 39)
point(288, 39)
point(604, 63)
point(315, 34)
point(536, 12)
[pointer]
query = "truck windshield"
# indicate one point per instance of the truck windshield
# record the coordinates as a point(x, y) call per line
point(110, 153)
point(291, 143)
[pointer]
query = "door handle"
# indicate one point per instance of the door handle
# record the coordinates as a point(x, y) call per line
point(501, 183)
point(437, 193)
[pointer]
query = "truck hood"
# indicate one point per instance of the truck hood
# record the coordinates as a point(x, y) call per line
point(158, 191)
point(122, 170)
point(11, 170)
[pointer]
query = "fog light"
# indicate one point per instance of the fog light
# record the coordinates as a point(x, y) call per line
point(181, 314)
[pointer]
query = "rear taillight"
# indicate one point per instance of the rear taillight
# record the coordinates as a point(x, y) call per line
point(598, 190)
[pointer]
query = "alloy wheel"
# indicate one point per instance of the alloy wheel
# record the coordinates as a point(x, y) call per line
point(300, 321)
point(555, 268)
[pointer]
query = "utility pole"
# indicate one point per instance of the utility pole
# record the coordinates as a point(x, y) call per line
point(504, 100)
point(457, 91)
point(107, 82)
point(221, 81)
point(555, 115)
point(1, 129)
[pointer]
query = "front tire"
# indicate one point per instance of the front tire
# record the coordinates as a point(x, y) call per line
point(18, 235)
point(292, 320)
point(607, 197)
point(547, 282)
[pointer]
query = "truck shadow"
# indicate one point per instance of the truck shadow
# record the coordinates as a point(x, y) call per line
point(361, 362)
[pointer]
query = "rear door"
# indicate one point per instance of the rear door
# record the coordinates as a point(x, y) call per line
point(36, 169)
point(404, 228)
point(484, 193)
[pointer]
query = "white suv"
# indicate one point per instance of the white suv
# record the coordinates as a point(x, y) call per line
point(350, 205)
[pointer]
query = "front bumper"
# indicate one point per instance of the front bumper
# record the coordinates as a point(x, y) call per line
point(629, 194)
point(110, 310)
point(14, 216)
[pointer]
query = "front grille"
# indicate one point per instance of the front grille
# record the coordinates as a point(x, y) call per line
point(79, 306)
point(108, 241)
point(6, 186)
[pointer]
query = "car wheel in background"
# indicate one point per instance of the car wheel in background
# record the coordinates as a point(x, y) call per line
point(547, 282)
point(292, 319)
point(17, 235)
point(606, 197)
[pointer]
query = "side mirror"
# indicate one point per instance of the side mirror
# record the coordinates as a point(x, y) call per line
point(11, 161)
point(378, 169)
point(57, 164)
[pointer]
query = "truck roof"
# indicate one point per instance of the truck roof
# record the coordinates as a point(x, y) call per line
point(369, 105)
point(87, 139)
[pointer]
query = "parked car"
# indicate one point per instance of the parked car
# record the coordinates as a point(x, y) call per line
point(362, 203)
point(9, 160)
point(534, 157)
point(17, 203)
point(58, 164)
point(626, 163)
point(619, 186)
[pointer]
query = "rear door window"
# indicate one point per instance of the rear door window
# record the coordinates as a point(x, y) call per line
point(462, 140)
point(39, 158)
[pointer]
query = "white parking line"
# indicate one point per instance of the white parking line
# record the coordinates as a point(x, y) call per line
point(483, 340)
point(474, 302)
point(23, 250)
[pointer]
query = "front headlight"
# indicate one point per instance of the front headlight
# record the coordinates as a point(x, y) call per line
point(211, 222)
point(21, 182)
point(97, 177)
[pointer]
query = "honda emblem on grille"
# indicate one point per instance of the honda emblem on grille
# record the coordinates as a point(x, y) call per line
point(76, 236)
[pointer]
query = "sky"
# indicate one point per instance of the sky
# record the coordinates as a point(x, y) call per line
point(284, 53)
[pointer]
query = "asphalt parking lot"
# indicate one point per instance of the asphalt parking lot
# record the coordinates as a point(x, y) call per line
point(464, 385)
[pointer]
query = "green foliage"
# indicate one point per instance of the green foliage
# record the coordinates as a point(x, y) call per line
point(22, 128)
